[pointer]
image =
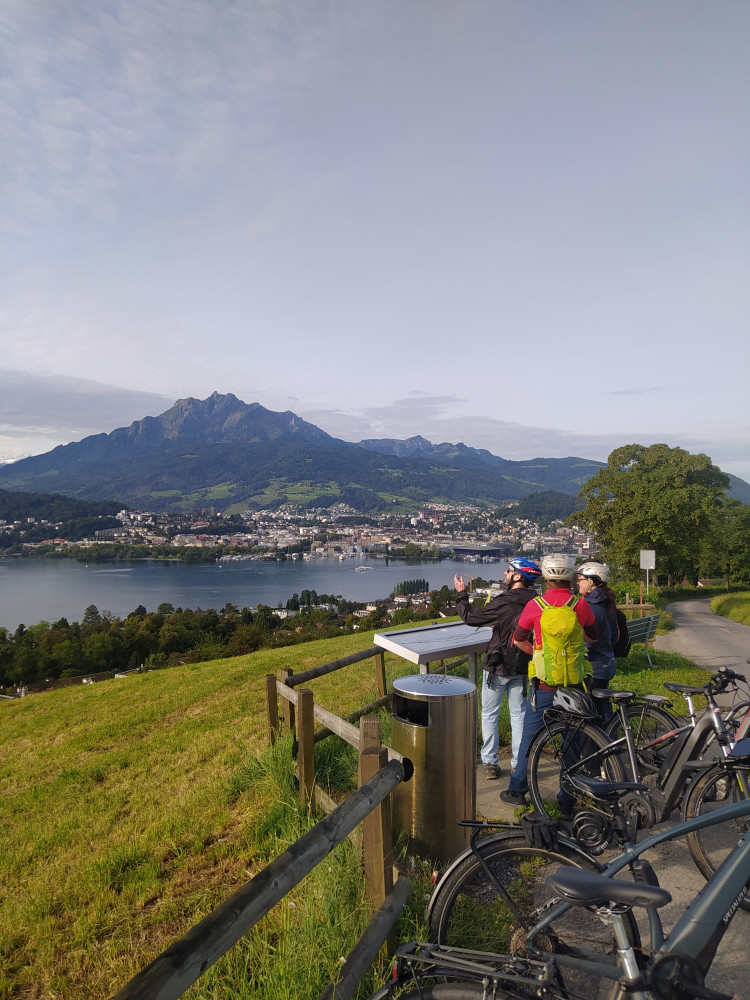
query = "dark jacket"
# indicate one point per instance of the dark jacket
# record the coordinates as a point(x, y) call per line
point(600, 653)
point(501, 615)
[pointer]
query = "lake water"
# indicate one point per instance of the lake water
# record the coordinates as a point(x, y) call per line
point(33, 590)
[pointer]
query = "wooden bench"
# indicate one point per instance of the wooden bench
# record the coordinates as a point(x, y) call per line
point(643, 629)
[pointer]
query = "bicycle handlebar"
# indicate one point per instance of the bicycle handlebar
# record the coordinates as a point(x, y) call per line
point(723, 677)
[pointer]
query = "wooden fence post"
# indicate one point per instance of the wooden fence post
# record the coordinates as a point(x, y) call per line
point(272, 707)
point(288, 707)
point(377, 842)
point(306, 754)
point(380, 673)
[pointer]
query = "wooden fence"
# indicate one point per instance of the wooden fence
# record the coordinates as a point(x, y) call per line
point(380, 771)
point(177, 968)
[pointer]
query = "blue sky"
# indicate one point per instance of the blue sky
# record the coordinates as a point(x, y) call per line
point(520, 224)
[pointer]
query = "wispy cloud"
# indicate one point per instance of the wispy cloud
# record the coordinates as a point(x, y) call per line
point(104, 103)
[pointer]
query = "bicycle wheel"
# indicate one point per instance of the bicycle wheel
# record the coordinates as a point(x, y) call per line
point(563, 747)
point(718, 786)
point(650, 726)
point(467, 910)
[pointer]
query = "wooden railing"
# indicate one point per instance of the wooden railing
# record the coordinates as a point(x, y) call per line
point(379, 772)
point(177, 968)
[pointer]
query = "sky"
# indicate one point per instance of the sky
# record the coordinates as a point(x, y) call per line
point(519, 224)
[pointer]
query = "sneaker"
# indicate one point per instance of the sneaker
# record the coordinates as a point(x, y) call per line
point(492, 771)
point(513, 798)
point(567, 813)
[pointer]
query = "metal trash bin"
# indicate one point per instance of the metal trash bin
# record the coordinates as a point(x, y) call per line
point(435, 726)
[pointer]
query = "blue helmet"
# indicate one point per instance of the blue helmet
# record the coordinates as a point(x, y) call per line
point(527, 569)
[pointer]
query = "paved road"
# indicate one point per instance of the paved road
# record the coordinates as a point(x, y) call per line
point(710, 641)
point(705, 638)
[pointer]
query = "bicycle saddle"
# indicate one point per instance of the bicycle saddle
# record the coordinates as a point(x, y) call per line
point(614, 695)
point(585, 888)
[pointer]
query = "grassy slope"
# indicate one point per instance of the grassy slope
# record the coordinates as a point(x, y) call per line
point(128, 815)
point(120, 829)
point(734, 606)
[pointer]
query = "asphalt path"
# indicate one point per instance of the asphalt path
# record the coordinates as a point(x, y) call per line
point(705, 638)
point(711, 642)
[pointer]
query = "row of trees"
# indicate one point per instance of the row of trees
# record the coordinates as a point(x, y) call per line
point(407, 587)
point(675, 503)
point(103, 642)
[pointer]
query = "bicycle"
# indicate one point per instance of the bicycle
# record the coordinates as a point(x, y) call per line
point(732, 717)
point(650, 719)
point(545, 963)
point(669, 760)
point(570, 738)
point(494, 889)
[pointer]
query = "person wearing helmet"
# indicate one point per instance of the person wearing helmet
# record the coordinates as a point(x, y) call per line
point(592, 578)
point(559, 573)
point(504, 665)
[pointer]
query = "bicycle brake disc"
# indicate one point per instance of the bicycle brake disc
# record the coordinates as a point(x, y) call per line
point(639, 811)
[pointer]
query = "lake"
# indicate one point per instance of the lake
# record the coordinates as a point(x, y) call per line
point(33, 590)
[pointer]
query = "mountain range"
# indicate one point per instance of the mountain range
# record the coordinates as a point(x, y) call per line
point(221, 452)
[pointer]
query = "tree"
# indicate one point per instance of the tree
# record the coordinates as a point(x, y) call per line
point(657, 498)
point(725, 550)
point(265, 619)
point(91, 617)
point(102, 652)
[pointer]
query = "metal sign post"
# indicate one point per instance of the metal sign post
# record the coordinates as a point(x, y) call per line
point(648, 562)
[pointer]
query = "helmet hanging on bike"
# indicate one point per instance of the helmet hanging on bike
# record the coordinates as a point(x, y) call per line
point(576, 702)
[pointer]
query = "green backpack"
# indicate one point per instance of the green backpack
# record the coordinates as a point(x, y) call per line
point(562, 660)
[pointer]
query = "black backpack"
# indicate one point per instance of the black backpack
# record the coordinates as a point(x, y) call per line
point(622, 646)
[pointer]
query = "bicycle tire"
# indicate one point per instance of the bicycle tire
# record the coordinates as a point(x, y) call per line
point(467, 911)
point(647, 723)
point(553, 751)
point(716, 787)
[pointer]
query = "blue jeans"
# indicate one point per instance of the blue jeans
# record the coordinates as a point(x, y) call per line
point(533, 722)
point(493, 691)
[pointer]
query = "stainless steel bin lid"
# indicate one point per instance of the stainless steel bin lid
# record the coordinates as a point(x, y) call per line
point(433, 686)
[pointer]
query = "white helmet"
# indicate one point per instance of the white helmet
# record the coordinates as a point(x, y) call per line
point(594, 568)
point(576, 702)
point(559, 567)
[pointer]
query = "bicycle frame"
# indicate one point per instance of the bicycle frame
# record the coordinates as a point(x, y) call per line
point(691, 944)
point(684, 758)
point(743, 730)
point(701, 927)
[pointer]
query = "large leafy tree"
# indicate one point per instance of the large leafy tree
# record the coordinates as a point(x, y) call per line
point(726, 548)
point(657, 498)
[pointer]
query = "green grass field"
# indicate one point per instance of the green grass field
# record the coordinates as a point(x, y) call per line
point(131, 808)
point(734, 606)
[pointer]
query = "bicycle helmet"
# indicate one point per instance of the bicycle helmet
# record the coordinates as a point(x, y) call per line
point(594, 569)
point(559, 567)
point(526, 568)
point(574, 701)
